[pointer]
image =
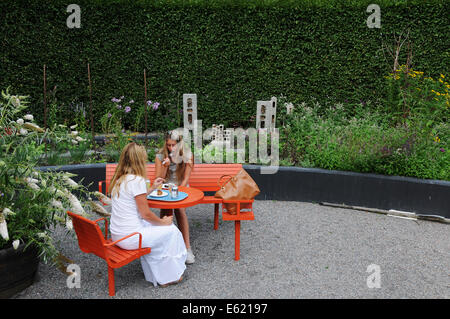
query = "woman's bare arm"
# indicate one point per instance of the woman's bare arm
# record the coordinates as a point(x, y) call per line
point(161, 170)
point(187, 173)
point(148, 215)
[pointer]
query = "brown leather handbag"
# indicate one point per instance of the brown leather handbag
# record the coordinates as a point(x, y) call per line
point(241, 186)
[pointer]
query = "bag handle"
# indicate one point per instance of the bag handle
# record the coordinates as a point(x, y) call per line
point(220, 179)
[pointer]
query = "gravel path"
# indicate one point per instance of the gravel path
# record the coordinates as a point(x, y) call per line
point(292, 250)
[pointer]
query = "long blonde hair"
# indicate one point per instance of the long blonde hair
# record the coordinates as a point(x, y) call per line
point(183, 153)
point(133, 160)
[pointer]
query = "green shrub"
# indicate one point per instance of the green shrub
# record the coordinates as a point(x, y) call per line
point(364, 143)
point(230, 53)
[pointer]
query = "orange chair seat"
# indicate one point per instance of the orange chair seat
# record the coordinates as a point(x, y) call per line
point(119, 257)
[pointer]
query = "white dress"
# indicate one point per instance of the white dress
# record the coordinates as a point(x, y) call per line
point(166, 261)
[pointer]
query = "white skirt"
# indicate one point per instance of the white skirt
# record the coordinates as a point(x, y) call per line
point(166, 261)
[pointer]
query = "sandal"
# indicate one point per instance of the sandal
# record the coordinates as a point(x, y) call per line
point(172, 283)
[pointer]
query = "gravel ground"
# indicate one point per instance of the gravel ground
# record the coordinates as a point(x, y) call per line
point(291, 250)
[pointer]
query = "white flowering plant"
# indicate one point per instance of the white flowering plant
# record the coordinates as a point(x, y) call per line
point(66, 140)
point(33, 201)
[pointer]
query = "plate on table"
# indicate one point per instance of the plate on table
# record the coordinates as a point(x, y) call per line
point(165, 198)
point(154, 194)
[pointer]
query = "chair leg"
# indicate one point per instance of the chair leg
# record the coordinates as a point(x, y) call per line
point(216, 216)
point(237, 239)
point(112, 291)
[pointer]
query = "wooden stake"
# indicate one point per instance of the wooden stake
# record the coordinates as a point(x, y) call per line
point(146, 106)
point(90, 106)
point(45, 108)
point(45, 100)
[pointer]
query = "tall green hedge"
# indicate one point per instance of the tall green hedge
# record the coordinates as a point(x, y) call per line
point(231, 53)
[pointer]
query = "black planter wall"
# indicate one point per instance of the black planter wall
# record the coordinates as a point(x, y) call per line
point(429, 197)
point(426, 197)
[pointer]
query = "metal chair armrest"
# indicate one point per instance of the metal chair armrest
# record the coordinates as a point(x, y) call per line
point(128, 236)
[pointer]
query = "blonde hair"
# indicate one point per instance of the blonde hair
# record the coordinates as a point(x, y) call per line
point(133, 160)
point(183, 155)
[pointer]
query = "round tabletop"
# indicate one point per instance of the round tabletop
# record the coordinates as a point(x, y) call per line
point(194, 197)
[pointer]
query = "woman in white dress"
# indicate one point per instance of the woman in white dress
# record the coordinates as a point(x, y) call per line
point(165, 264)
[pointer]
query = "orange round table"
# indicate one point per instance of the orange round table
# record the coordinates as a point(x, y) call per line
point(194, 197)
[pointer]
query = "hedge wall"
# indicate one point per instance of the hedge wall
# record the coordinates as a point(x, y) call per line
point(231, 53)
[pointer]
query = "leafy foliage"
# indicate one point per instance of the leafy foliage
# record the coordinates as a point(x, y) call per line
point(231, 53)
point(31, 201)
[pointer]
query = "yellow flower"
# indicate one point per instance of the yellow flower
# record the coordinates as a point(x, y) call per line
point(443, 76)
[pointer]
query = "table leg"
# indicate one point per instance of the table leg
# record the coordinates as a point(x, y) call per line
point(216, 216)
point(237, 239)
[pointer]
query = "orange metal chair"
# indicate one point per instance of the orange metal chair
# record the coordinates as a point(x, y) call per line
point(92, 240)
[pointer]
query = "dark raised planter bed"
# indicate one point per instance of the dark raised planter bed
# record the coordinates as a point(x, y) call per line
point(426, 197)
point(18, 269)
point(100, 139)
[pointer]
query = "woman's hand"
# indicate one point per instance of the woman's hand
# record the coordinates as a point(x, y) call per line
point(167, 220)
point(166, 162)
point(156, 184)
point(148, 215)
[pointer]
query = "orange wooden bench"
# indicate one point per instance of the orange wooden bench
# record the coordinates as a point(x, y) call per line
point(204, 177)
point(92, 240)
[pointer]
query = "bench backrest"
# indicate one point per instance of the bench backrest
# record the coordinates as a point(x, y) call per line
point(111, 169)
point(203, 177)
point(90, 237)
